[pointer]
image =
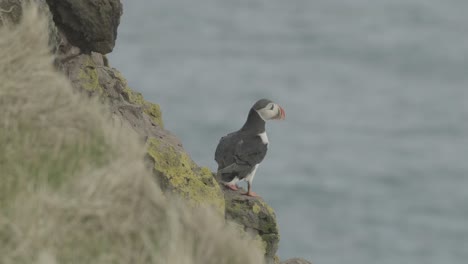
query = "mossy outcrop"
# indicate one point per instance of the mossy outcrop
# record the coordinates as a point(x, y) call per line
point(151, 109)
point(173, 167)
point(257, 218)
point(90, 73)
point(177, 173)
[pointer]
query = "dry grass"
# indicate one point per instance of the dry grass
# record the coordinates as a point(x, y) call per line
point(73, 184)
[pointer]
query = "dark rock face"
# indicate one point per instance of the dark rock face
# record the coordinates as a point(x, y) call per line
point(90, 25)
point(296, 261)
point(257, 218)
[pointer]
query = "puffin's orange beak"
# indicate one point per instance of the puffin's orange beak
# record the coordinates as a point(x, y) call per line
point(281, 114)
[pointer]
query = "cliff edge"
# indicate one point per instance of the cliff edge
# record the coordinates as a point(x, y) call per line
point(81, 33)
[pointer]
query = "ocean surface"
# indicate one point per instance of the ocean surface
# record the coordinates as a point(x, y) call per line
point(370, 165)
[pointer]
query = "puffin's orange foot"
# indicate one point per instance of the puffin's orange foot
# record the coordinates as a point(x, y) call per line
point(251, 194)
point(231, 186)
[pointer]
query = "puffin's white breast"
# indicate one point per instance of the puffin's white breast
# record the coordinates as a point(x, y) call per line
point(264, 137)
point(251, 175)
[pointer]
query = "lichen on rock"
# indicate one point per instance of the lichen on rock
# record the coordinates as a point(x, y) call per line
point(151, 109)
point(88, 77)
point(82, 71)
point(257, 218)
point(89, 73)
point(177, 173)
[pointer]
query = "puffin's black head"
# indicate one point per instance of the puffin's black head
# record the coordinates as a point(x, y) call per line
point(269, 110)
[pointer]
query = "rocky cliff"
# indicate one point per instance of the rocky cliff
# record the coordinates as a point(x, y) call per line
point(81, 33)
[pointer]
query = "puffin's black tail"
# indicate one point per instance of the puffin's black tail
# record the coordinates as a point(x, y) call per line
point(227, 177)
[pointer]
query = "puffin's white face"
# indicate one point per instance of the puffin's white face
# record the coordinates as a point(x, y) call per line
point(272, 111)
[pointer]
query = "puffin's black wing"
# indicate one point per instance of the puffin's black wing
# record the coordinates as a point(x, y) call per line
point(238, 153)
point(224, 154)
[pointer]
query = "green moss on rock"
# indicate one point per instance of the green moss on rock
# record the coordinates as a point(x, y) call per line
point(89, 78)
point(153, 110)
point(178, 173)
point(256, 208)
point(256, 216)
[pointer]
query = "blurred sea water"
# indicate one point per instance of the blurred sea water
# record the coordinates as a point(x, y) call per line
point(370, 165)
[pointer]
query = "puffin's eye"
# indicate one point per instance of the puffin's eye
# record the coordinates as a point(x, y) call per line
point(272, 106)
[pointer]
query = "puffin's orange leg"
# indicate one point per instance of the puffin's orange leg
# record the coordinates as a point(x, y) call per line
point(249, 191)
point(251, 194)
point(231, 186)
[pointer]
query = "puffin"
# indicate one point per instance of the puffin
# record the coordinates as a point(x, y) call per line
point(239, 153)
